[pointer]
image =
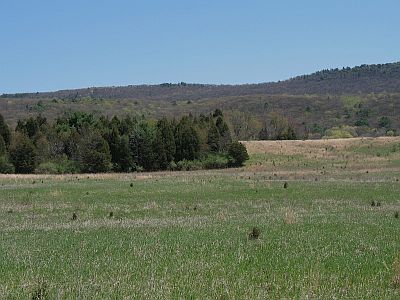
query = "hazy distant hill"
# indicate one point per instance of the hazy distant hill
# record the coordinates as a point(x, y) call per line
point(362, 79)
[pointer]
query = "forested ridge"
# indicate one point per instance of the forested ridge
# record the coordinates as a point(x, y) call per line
point(376, 78)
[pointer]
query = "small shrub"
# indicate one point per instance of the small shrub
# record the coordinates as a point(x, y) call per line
point(237, 154)
point(215, 162)
point(396, 214)
point(40, 292)
point(74, 216)
point(131, 185)
point(373, 203)
point(111, 214)
point(189, 165)
point(285, 185)
point(255, 233)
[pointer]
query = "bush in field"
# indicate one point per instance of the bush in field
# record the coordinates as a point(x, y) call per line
point(255, 233)
point(40, 292)
point(237, 154)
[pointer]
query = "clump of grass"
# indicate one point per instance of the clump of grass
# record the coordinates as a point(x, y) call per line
point(285, 185)
point(396, 274)
point(373, 203)
point(396, 214)
point(255, 233)
point(40, 292)
point(111, 214)
point(131, 185)
point(74, 216)
point(290, 217)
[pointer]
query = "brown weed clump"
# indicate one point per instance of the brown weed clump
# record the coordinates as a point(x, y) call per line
point(40, 292)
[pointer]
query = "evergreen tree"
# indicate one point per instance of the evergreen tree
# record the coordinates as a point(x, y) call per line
point(5, 132)
point(2, 146)
point(141, 145)
point(94, 153)
point(213, 137)
point(224, 132)
point(23, 154)
point(238, 154)
point(113, 139)
point(186, 140)
point(124, 161)
point(31, 126)
point(164, 144)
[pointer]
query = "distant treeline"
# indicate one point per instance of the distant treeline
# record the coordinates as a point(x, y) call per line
point(84, 143)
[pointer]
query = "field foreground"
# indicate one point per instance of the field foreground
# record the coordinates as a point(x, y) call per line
point(326, 212)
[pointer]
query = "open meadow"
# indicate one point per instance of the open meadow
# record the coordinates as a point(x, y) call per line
point(325, 212)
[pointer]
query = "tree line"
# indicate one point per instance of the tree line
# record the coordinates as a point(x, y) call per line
point(84, 143)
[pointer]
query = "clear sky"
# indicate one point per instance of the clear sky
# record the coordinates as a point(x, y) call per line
point(59, 44)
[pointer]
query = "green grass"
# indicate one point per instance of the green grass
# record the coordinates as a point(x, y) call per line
point(185, 235)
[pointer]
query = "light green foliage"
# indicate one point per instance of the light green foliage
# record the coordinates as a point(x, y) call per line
point(352, 101)
point(340, 132)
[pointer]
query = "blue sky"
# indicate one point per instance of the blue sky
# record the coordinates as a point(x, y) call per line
point(53, 44)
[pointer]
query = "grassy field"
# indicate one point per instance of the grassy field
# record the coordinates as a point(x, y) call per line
point(331, 233)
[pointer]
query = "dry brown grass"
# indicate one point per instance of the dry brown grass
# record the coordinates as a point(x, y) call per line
point(315, 146)
point(289, 216)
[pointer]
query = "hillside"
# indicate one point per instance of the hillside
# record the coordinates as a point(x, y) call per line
point(362, 79)
point(358, 97)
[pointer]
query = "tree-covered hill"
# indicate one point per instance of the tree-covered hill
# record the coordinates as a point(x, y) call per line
point(361, 79)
